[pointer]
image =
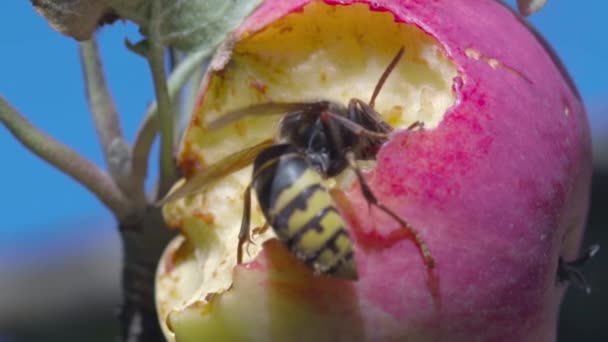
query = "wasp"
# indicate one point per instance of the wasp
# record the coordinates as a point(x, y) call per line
point(315, 141)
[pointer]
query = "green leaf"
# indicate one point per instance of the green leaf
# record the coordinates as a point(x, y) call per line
point(189, 25)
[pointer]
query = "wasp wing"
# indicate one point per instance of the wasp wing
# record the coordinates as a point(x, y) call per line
point(267, 108)
point(230, 164)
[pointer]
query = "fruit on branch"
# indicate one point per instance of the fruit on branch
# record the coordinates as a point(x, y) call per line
point(496, 183)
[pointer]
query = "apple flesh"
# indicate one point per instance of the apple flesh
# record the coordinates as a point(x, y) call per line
point(497, 183)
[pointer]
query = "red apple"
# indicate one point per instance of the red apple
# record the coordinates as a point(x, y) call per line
point(497, 182)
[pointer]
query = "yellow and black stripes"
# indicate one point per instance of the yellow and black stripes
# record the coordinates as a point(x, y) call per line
point(302, 213)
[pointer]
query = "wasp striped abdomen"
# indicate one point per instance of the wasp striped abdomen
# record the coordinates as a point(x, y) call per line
point(301, 211)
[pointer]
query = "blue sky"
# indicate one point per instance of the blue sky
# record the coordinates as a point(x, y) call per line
point(41, 76)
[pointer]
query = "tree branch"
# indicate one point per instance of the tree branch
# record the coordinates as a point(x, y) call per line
point(66, 160)
point(150, 127)
point(117, 152)
point(100, 101)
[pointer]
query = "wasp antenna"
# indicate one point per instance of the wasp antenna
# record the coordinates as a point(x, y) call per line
point(385, 75)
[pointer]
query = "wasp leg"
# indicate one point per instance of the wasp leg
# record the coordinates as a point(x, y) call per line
point(417, 124)
point(356, 128)
point(357, 107)
point(371, 199)
point(375, 117)
point(244, 235)
point(570, 271)
point(260, 230)
point(245, 222)
point(247, 238)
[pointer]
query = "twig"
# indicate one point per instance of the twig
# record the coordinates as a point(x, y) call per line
point(116, 151)
point(66, 160)
point(176, 102)
point(100, 101)
point(141, 152)
point(156, 59)
point(149, 128)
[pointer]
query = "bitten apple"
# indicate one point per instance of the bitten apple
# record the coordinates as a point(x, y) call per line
point(497, 182)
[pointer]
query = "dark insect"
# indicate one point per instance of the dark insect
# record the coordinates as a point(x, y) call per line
point(316, 141)
point(570, 271)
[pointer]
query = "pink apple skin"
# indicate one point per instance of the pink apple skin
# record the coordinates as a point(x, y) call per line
point(499, 190)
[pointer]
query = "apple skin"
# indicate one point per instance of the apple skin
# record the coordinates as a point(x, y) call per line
point(499, 191)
